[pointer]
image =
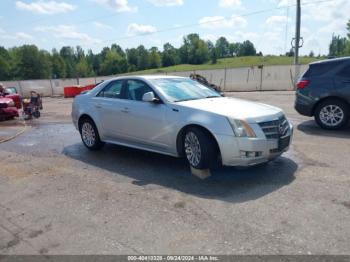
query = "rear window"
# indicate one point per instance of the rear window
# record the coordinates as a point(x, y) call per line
point(320, 69)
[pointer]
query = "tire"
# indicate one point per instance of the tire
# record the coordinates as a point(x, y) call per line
point(36, 114)
point(200, 149)
point(89, 135)
point(332, 114)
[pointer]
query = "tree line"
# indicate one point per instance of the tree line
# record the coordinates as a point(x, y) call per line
point(28, 62)
point(340, 46)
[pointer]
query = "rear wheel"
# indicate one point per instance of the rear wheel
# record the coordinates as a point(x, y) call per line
point(200, 149)
point(332, 114)
point(89, 134)
point(36, 114)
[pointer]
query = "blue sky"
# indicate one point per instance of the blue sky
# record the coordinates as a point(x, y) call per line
point(93, 24)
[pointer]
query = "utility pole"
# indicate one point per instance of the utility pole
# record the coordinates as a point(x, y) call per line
point(297, 34)
point(297, 42)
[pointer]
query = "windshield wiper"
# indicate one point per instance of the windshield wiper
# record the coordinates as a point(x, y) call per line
point(212, 96)
point(187, 99)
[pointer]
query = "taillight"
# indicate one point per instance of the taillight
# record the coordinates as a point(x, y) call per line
point(303, 83)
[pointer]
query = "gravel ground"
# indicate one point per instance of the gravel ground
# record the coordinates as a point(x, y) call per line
point(56, 197)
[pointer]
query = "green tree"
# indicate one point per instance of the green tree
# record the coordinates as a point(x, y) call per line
point(67, 53)
point(132, 56)
point(79, 53)
point(32, 63)
point(58, 65)
point(169, 55)
point(154, 58)
point(338, 45)
point(213, 52)
point(82, 68)
point(196, 48)
point(246, 49)
point(223, 47)
point(234, 48)
point(143, 60)
point(94, 62)
point(5, 64)
point(113, 63)
point(348, 28)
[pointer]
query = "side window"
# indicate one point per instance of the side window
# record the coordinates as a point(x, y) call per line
point(135, 90)
point(112, 90)
point(345, 72)
point(320, 69)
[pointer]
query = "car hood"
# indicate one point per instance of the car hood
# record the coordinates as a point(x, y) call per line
point(5, 100)
point(235, 108)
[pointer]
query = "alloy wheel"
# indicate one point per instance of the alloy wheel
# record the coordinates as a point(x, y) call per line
point(88, 134)
point(192, 149)
point(331, 115)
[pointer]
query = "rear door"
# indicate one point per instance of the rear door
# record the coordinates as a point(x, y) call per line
point(342, 82)
point(108, 104)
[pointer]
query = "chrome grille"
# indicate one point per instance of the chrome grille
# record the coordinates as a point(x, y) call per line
point(276, 128)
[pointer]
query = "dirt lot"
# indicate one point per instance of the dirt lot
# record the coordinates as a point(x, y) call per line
point(56, 197)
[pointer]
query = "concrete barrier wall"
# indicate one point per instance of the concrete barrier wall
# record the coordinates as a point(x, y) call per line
point(230, 79)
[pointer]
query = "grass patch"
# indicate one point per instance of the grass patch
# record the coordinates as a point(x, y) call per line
point(232, 62)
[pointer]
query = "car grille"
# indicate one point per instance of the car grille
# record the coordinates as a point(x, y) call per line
point(276, 128)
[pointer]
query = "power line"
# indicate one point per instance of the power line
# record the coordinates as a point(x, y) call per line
point(286, 33)
point(214, 21)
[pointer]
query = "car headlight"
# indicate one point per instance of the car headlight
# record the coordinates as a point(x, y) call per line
point(11, 104)
point(241, 128)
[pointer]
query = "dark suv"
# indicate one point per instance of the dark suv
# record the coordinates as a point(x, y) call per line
point(324, 92)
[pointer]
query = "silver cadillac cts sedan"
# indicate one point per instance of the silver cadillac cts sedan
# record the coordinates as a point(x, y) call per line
point(180, 117)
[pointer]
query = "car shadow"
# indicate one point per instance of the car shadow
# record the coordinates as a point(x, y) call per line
point(311, 128)
point(226, 183)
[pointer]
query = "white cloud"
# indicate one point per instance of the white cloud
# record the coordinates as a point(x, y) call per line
point(67, 32)
point(134, 29)
point(247, 36)
point(210, 37)
point(45, 7)
point(167, 2)
point(230, 3)
point(284, 3)
point(102, 25)
point(21, 35)
point(276, 20)
point(117, 5)
point(214, 22)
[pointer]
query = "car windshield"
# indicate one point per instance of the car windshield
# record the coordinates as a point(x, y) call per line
point(10, 90)
point(183, 89)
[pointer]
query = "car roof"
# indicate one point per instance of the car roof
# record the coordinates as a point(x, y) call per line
point(332, 60)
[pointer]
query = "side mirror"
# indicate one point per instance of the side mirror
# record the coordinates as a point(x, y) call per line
point(149, 97)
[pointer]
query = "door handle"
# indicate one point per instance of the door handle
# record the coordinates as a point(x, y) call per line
point(346, 81)
point(98, 106)
point(125, 110)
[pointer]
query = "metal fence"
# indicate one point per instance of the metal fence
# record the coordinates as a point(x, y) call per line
point(230, 79)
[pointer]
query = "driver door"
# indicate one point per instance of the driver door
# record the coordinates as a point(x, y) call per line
point(144, 123)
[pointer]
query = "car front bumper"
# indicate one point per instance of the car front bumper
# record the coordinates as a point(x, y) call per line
point(236, 151)
point(8, 112)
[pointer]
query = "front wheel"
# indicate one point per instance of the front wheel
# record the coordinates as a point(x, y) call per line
point(200, 149)
point(89, 135)
point(332, 114)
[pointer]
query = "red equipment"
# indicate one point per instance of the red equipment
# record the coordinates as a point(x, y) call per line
point(8, 110)
point(73, 91)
